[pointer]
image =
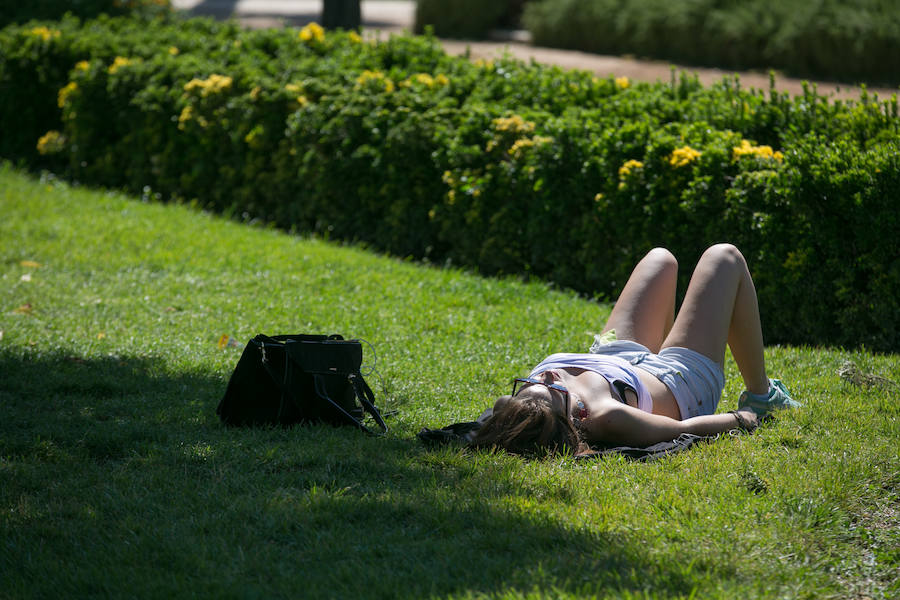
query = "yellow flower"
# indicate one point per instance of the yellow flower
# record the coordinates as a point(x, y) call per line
point(63, 97)
point(764, 151)
point(218, 83)
point(187, 113)
point(744, 149)
point(630, 165)
point(748, 149)
point(424, 78)
point(354, 37)
point(368, 75)
point(523, 143)
point(296, 88)
point(174, 51)
point(377, 76)
point(118, 63)
point(51, 142)
point(312, 32)
point(45, 33)
point(520, 145)
point(82, 65)
point(513, 124)
point(212, 85)
point(598, 197)
point(622, 83)
point(684, 156)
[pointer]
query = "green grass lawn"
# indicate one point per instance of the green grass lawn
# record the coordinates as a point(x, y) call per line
point(117, 479)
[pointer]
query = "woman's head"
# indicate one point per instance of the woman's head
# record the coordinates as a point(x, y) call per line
point(530, 422)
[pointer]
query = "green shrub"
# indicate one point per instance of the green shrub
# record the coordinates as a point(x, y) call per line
point(20, 12)
point(506, 167)
point(833, 39)
point(459, 18)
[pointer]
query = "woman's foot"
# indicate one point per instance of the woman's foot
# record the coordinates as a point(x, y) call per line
point(762, 404)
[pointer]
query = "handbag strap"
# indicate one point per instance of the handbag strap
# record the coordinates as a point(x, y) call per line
point(367, 399)
point(367, 402)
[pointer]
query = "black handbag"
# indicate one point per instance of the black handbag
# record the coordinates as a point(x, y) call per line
point(290, 379)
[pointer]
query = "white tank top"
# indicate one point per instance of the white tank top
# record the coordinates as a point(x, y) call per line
point(611, 368)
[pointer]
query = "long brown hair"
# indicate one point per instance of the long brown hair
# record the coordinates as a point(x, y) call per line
point(528, 425)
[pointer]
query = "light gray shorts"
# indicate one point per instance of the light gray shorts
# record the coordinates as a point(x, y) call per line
point(695, 380)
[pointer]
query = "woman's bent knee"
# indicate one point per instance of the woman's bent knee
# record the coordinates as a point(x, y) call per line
point(663, 255)
point(663, 261)
point(725, 253)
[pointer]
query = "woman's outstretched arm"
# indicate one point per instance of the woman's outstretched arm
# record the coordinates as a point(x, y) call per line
point(620, 424)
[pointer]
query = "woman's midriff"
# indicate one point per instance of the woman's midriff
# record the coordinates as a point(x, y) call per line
point(663, 400)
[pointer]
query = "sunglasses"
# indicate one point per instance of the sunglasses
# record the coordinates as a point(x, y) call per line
point(518, 383)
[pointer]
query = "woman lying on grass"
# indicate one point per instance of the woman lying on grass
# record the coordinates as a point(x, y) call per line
point(649, 376)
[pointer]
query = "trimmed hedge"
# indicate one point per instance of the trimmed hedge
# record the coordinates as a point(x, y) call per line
point(459, 18)
point(21, 12)
point(507, 167)
point(851, 40)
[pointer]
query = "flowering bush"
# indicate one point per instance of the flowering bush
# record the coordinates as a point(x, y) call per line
point(496, 165)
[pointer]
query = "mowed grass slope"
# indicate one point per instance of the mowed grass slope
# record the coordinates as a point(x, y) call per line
point(117, 479)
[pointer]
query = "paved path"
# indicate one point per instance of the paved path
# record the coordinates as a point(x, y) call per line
point(384, 17)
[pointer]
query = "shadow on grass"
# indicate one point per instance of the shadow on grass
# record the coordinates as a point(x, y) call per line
point(315, 511)
point(103, 407)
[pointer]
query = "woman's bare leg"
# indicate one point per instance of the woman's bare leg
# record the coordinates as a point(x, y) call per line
point(720, 307)
point(645, 310)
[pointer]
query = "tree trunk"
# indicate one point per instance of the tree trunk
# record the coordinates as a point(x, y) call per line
point(341, 14)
